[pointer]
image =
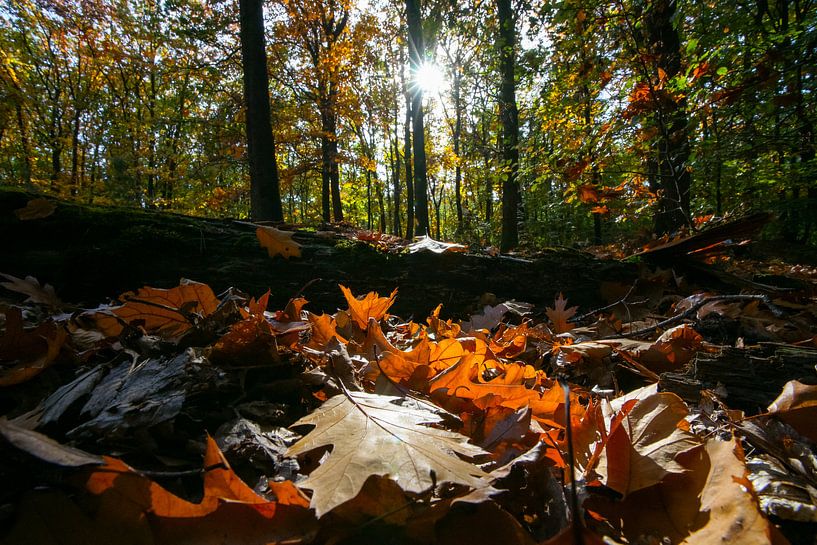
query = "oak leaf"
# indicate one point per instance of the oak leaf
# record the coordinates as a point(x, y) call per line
point(382, 435)
point(37, 293)
point(277, 242)
point(165, 312)
point(369, 306)
point(559, 315)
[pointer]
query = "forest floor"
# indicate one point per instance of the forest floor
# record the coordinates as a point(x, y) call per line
point(553, 397)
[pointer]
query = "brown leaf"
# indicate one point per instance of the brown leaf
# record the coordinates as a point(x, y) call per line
point(45, 448)
point(382, 435)
point(277, 242)
point(36, 209)
point(27, 353)
point(559, 315)
point(44, 295)
point(797, 406)
point(644, 440)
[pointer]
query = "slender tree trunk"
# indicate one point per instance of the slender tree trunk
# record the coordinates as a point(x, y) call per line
point(369, 218)
point(673, 143)
point(397, 231)
point(75, 153)
point(489, 181)
point(509, 115)
point(457, 138)
point(416, 56)
point(409, 172)
point(24, 144)
point(265, 196)
point(380, 203)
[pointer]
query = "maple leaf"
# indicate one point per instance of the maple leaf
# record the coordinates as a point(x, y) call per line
point(559, 315)
point(277, 242)
point(382, 435)
point(369, 306)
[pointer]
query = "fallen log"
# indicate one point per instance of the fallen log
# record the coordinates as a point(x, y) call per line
point(91, 253)
point(744, 378)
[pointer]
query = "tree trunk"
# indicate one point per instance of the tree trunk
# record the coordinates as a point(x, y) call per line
point(25, 145)
point(397, 229)
point(265, 196)
point(673, 142)
point(409, 172)
point(509, 115)
point(416, 54)
point(457, 138)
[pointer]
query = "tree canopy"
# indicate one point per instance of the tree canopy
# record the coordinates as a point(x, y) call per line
point(631, 115)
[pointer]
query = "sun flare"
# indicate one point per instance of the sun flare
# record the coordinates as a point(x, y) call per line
point(430, 78)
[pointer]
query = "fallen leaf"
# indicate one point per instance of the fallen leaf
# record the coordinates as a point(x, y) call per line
point(45, 448)
point(428, 244)
point(43, 295)
point(382, 435)
point(277, 242)
point(643, 442)
point(27, 353)
point(165, 312)
point(797, 406)
point(36, 209)
point(559, 315)
point(369, 306)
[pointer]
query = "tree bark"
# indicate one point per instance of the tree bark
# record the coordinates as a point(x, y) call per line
point(265, 196)
point(416, 54)
point(509, 115)
point(673, 180)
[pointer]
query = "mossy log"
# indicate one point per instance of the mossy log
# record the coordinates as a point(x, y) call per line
point(91, 253)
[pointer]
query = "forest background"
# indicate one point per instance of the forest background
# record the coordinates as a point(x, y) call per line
point(575, 121)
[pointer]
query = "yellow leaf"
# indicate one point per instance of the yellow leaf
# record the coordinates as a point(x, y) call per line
point(278, 242)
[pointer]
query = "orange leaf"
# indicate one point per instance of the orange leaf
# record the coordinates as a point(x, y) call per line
point(369, 306)
point(277, 242)
point(559, 315)
point(168, 313)
point(30, 351)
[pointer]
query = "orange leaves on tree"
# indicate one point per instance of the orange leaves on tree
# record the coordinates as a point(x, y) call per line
point(168, 313)
point(560, 314)
point(369, 306)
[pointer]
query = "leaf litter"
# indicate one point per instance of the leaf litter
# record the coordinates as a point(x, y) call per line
point(436, 431)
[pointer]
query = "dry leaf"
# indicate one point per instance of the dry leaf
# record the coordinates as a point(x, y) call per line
point(643, 443)
point(278, 242)
point(27, 352)
point(382, 435)
point(559, 315)
point(428, 244)
point(44, 295)
point(168, 313)
point(369, 306)
point(36, 209)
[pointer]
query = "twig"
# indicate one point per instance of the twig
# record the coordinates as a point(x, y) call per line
point(578, 539)
point(694, 308)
